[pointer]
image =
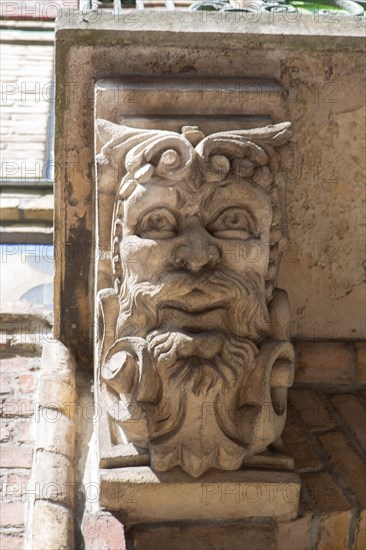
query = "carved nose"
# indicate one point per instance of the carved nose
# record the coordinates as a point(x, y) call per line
point(197, 256)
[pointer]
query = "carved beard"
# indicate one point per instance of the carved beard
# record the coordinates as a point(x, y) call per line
point(243, 296)
point(218, 381)
point(199, 375)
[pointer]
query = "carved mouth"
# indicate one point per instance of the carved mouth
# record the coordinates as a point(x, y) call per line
point(197, 292)
point(197, 318)
point(195, 300)
point(191, 309)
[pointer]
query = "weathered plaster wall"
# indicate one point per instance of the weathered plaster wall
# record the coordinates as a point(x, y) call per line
point(323, 268)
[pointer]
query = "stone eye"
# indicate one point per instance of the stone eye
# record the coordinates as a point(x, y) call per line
point(159, 223)
point(232, 219)
point(233, 223)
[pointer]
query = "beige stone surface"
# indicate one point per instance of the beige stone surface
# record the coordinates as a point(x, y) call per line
point(57, 359)
point(55, 476)
point(137, 101)
point(56, 393)
point(318, 67)
point(135, 492)
point(53, 527)
point(56, 433)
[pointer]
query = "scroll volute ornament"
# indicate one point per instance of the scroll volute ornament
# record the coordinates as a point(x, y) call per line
point(193, 363)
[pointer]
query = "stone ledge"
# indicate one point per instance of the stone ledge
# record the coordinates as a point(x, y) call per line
point(26, 208)
point(26, 233)
point(142, 495)
point(271, 29)
point(25, 37)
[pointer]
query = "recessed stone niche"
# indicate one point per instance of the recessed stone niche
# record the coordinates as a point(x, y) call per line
point(191, 365)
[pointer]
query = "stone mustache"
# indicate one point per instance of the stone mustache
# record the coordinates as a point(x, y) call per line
point(197, 368)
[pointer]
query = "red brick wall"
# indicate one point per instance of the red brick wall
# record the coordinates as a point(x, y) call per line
point(18, 381)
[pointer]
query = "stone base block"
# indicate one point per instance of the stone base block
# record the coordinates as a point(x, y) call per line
point(142, 495)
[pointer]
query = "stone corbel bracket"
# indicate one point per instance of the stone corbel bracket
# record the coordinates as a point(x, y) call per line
point(123, 145)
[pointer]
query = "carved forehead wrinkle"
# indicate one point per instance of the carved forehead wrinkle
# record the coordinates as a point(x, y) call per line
point(240, 193)
point(189, 200)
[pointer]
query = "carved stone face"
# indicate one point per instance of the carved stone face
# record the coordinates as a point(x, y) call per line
point(185, 243)
point(193, 254)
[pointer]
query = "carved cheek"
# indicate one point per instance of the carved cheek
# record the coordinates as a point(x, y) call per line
point(130, 252)
point(242, 255)
point(144, 257)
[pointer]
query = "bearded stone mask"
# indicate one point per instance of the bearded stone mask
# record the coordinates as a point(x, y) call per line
point(193, 366)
